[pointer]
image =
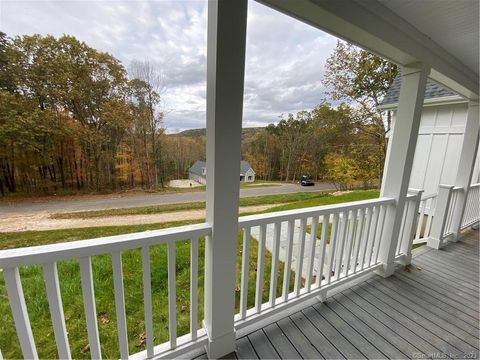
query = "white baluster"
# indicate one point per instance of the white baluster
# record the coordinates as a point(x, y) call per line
point(56, 310)
point(120, 304)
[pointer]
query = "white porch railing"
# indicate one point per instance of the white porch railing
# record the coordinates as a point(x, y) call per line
point(48, 256)
point(452, 206)
point(446, 221)
point(426, 211)
point(409, 220)
point(349, 239)
point(472, 207)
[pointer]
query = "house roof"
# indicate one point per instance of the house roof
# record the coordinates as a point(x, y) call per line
point(432, 90)
point(244, 167)
point(198, 165)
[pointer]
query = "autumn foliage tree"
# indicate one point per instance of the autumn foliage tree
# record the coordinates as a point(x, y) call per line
point(71, 119)
point(362, 79)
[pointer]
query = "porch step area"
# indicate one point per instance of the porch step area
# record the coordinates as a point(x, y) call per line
point(430, 309)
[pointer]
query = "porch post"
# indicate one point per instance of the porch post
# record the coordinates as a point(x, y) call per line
point(466, 164)
point(227, 21)
point(442, 205)
point(398, 165)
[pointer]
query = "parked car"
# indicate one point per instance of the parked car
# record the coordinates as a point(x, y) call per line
point(305, 181)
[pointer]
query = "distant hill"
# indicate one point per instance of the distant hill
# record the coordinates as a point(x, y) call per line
point(193, 133)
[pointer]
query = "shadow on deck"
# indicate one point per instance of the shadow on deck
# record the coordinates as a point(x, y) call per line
point(429, 310)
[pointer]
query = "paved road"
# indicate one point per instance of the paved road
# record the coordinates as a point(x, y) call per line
point(124, 201)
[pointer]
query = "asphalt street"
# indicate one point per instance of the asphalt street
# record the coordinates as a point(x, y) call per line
point(100, 202)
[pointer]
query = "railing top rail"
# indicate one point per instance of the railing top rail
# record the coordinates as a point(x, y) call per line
point(252, 220)
point(414, 191)
point(429, 196)
point(474, 185)
point(76, 249)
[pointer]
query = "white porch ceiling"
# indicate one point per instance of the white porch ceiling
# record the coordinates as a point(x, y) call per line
point(441, 33)
point(452, 24)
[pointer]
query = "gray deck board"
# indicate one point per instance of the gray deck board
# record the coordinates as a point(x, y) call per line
point(382, 303)
point(301, 343)
point(446, 291)
point(456, 254)
point(317, 339)
point(457, 281)
point(446, 328)
point(405, 293)
point(384, 332)
point(454, 282)
point(437, 295)
point(262, 345)
point(384, 347)
point(349, 332)
point(467, 274)
point(333, 335)
point(461, 267)
point(468, 258)
point(431, 310)
point(245, 349)
point(442, 273)
point(281, 342)
point(398, 328)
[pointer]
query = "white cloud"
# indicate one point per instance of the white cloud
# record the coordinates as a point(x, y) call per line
point(285, 58)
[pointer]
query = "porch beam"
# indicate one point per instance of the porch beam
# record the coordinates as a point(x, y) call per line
point(399, 160)
point(227, 21)
point(466, 165)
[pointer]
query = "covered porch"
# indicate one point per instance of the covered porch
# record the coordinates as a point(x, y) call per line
point(425, 310)
point(340, 278)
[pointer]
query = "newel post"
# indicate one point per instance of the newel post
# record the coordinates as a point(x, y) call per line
point(440, 214)
point(466, 164)
point(227, 22)
point(410, 227)
point(399, 160)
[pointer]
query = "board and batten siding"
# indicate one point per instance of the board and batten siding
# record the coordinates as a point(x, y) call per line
point(438, 148)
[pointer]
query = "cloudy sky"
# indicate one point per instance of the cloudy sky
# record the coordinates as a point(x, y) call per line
point(285, 58)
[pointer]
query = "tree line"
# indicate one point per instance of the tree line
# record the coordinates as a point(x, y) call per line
point(323, 143)
point(73, 119)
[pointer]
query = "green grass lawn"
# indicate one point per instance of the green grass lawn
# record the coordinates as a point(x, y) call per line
point(259, 184)
point(37, 305)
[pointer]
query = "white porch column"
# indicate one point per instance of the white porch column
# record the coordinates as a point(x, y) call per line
point(227, 21)
point(466, 164)
point(398, 165)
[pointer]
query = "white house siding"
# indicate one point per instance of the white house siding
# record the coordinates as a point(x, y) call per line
point(249, 176)
point(438, 147)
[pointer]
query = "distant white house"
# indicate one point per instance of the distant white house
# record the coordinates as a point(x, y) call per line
point(440, 136)
point(198, 172)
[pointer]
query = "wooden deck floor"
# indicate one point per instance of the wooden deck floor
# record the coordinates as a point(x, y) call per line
point(431, 311)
